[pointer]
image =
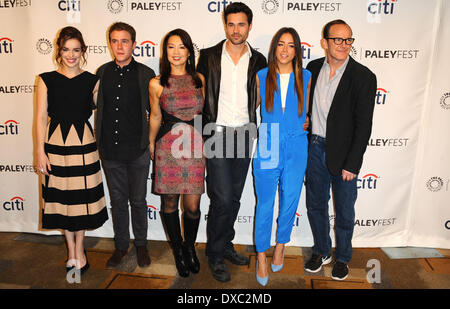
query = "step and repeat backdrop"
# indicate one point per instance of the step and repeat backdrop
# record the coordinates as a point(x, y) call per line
point(403, 186)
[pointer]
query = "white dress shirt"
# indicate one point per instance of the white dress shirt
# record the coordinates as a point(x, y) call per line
point(323, 96)
point(233, 97)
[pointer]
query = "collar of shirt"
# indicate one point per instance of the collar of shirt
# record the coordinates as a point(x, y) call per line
point(339, 71)
point(127, 67)
point(225, 52)
point(233, 96)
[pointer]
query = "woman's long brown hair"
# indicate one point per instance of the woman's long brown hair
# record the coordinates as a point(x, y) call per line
point(297, 63)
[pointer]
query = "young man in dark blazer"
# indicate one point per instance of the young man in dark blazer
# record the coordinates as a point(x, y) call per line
point(230, 70)
point(122, 132)
point(341, 108)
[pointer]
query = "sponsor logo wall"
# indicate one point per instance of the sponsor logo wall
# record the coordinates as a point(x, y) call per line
point(403, 186)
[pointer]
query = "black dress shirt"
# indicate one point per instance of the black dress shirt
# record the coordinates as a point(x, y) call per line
point(121, 131)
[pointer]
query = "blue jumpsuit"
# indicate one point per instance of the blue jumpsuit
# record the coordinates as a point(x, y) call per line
point(281, 156)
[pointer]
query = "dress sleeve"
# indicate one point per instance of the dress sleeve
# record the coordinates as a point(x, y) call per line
point(46, 77)
point(93, 80)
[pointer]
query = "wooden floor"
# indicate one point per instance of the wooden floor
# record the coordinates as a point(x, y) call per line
point(32, 261)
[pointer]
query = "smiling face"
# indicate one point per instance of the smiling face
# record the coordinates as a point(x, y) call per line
point(237, 28)
point(122, 46)
point(71, 53)
point(337, 53)
point(285, 51)
point(177, 53)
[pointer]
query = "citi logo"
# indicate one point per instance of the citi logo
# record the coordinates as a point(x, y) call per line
point(145, 49)
point(380, 96)
point(385, 7)
point(369, 181)
point(69, 5)
point(6, 46)
point(217, 6)
point(152, 212)
point(297, 219)
point(15, 203)
point(306, 51)
point(10, 127)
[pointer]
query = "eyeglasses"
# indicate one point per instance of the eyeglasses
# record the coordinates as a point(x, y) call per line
point(338, 41)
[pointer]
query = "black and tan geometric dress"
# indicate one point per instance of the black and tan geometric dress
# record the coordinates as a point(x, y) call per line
point(73, 193)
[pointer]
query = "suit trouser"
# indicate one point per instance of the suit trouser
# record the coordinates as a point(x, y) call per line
point(225, 180)
point(127, 181)
point(288, 175)
point(318, 182)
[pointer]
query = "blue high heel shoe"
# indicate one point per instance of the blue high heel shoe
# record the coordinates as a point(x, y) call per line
point(261, 280)
point(276, 268)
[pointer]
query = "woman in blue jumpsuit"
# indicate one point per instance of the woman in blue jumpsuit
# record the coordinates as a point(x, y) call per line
point(282, 145)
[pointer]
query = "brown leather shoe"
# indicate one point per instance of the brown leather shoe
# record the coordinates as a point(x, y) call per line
point(116, 258)
point(143, 257)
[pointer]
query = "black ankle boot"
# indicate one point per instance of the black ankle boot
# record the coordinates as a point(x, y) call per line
point(190, 235)
point(172, 222)
point(191, 258)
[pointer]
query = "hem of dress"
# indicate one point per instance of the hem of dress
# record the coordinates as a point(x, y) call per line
point(73, 224)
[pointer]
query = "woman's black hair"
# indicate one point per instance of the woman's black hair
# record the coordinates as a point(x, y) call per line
point(164, 65)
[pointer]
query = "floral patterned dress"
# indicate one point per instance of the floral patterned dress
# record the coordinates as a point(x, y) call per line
point(179, 160)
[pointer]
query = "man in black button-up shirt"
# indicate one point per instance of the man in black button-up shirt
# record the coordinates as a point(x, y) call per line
point(122, 133)
point(122, 114)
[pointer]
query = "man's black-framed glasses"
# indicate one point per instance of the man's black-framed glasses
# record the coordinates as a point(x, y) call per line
point(338, 41)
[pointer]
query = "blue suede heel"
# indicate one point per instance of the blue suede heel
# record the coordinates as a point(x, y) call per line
point(276, 268)
point(261, 280)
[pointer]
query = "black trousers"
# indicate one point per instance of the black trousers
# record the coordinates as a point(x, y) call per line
point(127, 182)
point(225, 179)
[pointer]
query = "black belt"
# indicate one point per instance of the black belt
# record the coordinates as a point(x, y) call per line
point(169, 120)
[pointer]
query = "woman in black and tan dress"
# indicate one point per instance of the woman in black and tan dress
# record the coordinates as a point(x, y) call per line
point(66, 154)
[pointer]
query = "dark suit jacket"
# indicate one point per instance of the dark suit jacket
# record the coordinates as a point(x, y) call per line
point(349, 122)
point(209, 64)
point(144, 76)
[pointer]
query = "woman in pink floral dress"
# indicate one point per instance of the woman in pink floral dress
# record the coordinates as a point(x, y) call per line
point(176, 98)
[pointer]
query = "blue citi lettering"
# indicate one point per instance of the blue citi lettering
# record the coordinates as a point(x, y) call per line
point(9, 128)
point(145, 49)
point(306, 51)
point(380, 96)
point(297, 220)
point(152, 212)
point(69, 5)
point(6, 46)
point(218, 6)
point(16, 203)
point(369, 181)
point(380, 7)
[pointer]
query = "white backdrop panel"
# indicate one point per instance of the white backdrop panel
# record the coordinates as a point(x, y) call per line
point(403, 184)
